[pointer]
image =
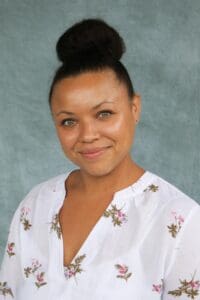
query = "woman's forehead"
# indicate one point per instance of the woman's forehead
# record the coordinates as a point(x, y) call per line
point(88, 88)
point(88, 80)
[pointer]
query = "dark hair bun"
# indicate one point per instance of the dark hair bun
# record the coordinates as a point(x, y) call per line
point(90, 39)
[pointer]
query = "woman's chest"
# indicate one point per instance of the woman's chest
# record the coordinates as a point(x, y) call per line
point(111, 263)
point(118, 257)
point(77, 219)
point(117, 279)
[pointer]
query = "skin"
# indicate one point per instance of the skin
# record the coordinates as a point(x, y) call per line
point(110, 125)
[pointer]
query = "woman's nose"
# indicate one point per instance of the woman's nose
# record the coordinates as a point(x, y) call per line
point(88, 132)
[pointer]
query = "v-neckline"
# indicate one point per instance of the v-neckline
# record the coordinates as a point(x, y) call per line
point(118, 198)
point(92, 233)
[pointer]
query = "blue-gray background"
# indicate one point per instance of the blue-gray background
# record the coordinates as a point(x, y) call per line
point(162, 57)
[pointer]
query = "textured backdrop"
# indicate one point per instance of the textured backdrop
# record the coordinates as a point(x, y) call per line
point(163, 59)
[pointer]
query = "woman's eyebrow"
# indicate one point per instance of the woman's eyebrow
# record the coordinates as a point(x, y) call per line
point(105, 101)
point(93, 108)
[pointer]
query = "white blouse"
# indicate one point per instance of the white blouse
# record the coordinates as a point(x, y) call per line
point(145, 246)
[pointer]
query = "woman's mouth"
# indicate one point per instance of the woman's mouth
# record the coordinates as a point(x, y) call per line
point(93, 153)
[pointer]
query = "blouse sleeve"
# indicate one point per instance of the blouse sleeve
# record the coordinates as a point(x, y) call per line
point(182, 280)
point(10, 273)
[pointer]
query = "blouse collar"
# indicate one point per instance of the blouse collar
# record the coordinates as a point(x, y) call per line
point(132, 190)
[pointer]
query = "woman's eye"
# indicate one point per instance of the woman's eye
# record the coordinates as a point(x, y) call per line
point(105, 113)
point(68, 122)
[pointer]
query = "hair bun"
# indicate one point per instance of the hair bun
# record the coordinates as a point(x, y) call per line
point(90, 39)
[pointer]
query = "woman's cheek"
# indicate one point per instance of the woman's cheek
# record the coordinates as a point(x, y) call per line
point(116, 126)
point(66, 138)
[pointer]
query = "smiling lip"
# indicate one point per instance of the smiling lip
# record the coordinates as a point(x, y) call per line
point(91, 153)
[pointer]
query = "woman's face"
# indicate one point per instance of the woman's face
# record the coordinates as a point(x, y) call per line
point(95, 120)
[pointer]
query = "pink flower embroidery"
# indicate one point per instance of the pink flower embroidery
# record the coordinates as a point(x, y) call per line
point(121, 216)
point(175, 227)
point(74, 268)
point(10, 249)
point(178, 218)
point(40, 277)
point(25, 210)
point(122, 269)
point(24, 218)
point(35, 265)
point(158, 287)
point(195, 284)
point(69, 272)
point(190, 288)
point(35, 271)
point(123, 272)
point(118, 217)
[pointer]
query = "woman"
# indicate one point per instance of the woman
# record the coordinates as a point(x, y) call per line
point(107, 229)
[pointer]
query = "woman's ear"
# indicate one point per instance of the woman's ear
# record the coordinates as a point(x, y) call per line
point(136, 107)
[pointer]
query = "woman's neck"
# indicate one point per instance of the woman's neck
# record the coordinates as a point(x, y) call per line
point(122, 176)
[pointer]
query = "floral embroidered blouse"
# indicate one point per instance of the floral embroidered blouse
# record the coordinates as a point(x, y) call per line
point(146, 245)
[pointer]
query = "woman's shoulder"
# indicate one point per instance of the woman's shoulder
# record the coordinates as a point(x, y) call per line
point(169, 193)
point(44, 192)
point(169, 208)
point(49, 184)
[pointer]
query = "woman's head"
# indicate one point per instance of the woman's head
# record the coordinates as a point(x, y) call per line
point(94, 109)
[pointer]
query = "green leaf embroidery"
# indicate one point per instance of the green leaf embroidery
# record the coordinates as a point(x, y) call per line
point(24, 218)
point(118, 217)
point(189, 288)
point(26, 224)
point(74, 268)
point(33, 270)
point(153, 188)
point(174, 228)
point(27, 271)
point(55, 226)
point(5, 289)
